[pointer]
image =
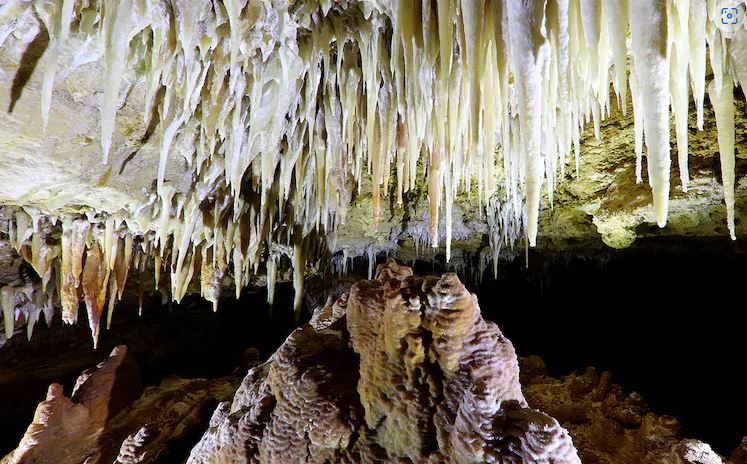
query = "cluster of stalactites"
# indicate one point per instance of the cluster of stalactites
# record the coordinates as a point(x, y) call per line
point(297, 99)
point(75, 259)
point(280, 108)
point(87, 259)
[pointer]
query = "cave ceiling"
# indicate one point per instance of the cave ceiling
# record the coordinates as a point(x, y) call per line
point(215, 142)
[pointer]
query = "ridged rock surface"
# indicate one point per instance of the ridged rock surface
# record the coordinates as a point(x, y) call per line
point(403, 369)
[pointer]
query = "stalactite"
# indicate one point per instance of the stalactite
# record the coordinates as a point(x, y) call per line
point(648, 24)
point(281, 109)
point(7, 301)
point(722, 100)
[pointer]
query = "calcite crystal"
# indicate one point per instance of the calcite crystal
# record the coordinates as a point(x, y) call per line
point(403, 369)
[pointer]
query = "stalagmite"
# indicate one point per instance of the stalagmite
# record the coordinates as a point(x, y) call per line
point(648, 28)
point(722, 100)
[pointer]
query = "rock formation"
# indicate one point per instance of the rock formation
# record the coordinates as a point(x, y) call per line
point(66, 429)
point(403, 369)
point(232, 139)
point(107, 420)
point(608, 426)
point(400, 369)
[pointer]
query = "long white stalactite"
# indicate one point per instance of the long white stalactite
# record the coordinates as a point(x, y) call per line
point(282, 108)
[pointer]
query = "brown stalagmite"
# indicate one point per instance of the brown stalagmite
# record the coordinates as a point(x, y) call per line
point(66, 430)
point(403, 369)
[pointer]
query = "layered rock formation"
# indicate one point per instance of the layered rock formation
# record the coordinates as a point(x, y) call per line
point(400, 369)
point(404, 369)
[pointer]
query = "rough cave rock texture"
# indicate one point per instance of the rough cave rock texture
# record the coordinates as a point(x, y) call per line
point(404, 369)
point(107, 420)
point(232, 139)
point(609, 426)
point(66, 428)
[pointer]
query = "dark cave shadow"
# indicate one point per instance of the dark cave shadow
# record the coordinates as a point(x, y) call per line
point(28, 63)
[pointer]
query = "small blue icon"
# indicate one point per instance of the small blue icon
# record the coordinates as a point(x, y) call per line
point(729, 16)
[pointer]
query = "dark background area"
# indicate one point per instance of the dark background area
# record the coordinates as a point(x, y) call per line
point(667, 322)
point(666, 318)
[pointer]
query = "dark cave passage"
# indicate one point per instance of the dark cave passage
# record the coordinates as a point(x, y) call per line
point(667, 322)
point(664, 320)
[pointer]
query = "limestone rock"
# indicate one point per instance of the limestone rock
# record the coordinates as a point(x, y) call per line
point(403, 369)
point(65, 429)
point(104, 422)
point(608, 426)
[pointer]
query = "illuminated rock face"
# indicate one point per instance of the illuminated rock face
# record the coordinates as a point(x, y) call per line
point(107, 420)
point(68, 429)
point(216, 138)
point(401, 368)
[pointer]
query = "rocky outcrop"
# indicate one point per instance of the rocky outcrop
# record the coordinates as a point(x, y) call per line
point(607, 425)
point(106, 420)
point(403, 369)
point(65, 429)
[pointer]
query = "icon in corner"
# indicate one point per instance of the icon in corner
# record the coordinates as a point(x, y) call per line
point(729, 16)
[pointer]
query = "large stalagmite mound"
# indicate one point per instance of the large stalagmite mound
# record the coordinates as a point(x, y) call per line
point(403, 369)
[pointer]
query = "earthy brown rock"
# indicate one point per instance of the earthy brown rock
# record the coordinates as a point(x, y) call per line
point(404, 369)
point(739, 456)
point(104, 422)
point(65, 429)
point(608, 426)
point(161, 421)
